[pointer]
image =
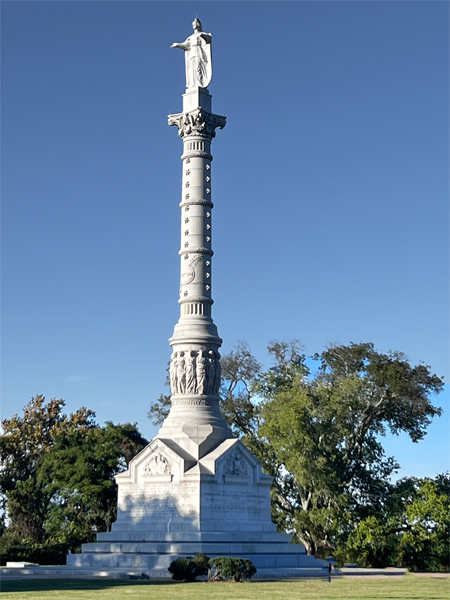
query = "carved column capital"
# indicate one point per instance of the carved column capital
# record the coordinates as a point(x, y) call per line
point(197, 122)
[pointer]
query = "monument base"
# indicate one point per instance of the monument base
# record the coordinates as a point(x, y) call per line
point(173, 504)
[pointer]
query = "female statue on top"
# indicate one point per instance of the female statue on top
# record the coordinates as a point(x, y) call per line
point(197, 48)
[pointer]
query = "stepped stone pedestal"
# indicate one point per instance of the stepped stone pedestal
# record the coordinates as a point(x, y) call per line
point(195, 487)
point(171, 504)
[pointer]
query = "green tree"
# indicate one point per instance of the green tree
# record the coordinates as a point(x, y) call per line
point(411, 531)
point(57, 476)
point(79, 473)
point(374, 543)
point(24, 442)
point(425, 526)
point(324, 429)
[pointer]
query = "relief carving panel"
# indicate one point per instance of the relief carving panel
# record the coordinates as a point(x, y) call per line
point(235, 464)
point(195, 372)
point(158, 464)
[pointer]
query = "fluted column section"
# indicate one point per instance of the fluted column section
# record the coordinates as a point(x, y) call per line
point(195, 418)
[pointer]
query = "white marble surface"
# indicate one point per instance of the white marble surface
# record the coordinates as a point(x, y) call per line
point(166, 490)
point(198, 57)
point(194, 488)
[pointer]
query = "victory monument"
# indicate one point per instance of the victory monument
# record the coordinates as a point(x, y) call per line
point(195, 487)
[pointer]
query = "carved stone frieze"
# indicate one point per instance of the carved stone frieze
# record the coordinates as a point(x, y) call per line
point(197, 251)
point(235, 464)
point(195, 373)
point(198, 300)
point(158, 464)
point(200, 201)
point(196, 154)
point(198, 122)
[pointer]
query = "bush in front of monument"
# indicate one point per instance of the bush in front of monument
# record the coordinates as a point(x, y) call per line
point(232, 567)
point(188, 568)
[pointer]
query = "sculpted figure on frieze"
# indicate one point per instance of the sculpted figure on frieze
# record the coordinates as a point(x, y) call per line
point(235, 464)
point(211, 373)
point(173, 373)
point(218, 372)
point(194, 374)
point(190, 374)
point(201, 373)
point(181, 373)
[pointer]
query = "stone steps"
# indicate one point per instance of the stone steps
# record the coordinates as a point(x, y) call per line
point(241, 524)
point(67, 572)
point(210, 548)
point(194, 536)
point(158, 562)
point(300, 572)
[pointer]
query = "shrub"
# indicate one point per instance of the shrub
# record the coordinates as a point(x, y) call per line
point(15, 548)
point(202, 562)
point(188, 568)
point(233, 567)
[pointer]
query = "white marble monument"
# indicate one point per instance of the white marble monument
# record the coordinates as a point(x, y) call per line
point(195, 487)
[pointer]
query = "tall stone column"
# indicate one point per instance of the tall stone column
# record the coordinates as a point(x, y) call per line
point(195, 422)
point(195, 487)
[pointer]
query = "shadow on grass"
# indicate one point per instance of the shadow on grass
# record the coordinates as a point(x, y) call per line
point(46, 585)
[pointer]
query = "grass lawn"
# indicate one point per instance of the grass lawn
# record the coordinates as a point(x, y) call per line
point(408, 587)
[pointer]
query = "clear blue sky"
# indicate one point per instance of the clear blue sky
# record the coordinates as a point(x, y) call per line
point(330, 191)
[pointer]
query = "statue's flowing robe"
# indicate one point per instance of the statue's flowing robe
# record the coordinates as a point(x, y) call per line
point(190, 375)
point(198, 61)
point(201, 374)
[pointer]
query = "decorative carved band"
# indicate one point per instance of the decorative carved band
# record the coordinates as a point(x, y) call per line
point(200, 201)
point(197, 122)
point(195, 373)
point(199, 299)
point(196, 251)
point(193, 401)
point(196, 154)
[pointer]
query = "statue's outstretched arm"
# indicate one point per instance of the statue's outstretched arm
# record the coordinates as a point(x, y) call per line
point(183, 46)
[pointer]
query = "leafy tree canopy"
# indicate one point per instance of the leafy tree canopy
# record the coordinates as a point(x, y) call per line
point(412, 530)
point(57, 475)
